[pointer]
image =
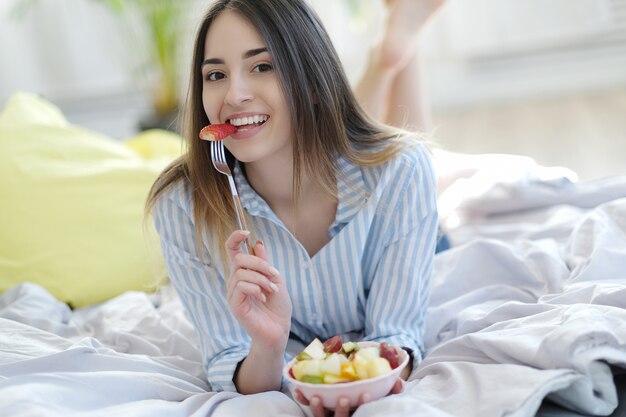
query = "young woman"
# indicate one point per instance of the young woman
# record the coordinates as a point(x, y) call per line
point(342, 209)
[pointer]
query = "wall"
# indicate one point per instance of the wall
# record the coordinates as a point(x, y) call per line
point(478, 50)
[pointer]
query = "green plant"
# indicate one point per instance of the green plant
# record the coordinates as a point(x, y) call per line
point(162, 23)
point(156, 26)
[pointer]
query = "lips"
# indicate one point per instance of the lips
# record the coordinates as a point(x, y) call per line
point(248, 125)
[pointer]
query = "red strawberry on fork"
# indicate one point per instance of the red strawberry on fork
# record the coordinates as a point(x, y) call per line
point(215, 132)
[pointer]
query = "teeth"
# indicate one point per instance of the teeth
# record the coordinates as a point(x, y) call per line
point(240, 121)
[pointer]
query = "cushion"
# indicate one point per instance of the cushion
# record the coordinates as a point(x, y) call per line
point(72, 203)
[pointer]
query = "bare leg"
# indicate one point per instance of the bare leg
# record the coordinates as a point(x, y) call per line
point(405, 20)
point(390, 89)
point(408, 106)
point(373, 90)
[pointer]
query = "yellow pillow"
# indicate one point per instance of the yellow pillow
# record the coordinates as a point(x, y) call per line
point(71, 206)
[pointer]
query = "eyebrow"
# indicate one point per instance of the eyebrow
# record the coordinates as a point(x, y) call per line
point(246, 55)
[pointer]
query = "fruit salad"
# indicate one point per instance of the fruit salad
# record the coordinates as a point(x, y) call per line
point(334, 362)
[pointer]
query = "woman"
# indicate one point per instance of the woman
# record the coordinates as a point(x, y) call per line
point(343, 207)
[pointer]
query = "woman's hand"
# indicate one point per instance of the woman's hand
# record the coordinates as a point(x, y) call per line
point(257, 294)
point(342, 408)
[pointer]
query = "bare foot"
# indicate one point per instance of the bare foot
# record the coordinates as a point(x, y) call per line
point(405, 20)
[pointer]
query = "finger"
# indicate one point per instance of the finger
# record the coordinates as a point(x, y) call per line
point(259, 250)
point(243, 261)
point(317, 407)
point(398, 387)
point(234, 241)
point(243, 290)
point(343, 407)
point(365, 398)
point(300, 397)
point(255, 278)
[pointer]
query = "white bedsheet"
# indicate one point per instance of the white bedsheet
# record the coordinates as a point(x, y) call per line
point(529, 304)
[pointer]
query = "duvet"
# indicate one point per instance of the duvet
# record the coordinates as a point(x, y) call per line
point(527, 317)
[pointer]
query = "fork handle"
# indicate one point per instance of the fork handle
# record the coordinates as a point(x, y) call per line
point(241, 219)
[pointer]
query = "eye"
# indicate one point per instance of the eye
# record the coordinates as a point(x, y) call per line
point(263, 67)
point(214, 76)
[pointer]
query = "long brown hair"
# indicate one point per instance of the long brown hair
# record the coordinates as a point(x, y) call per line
point(326, 119)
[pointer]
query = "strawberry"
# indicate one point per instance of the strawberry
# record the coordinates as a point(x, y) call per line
point(217, 131)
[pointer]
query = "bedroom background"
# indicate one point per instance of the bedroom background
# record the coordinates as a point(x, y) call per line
point(532, 292)
point(540, 78)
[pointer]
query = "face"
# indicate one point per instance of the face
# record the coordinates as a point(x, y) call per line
point(241, 87)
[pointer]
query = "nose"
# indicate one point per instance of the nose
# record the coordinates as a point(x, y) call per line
point(239, 91)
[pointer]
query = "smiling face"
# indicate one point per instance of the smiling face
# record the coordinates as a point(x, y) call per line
point(241, 87)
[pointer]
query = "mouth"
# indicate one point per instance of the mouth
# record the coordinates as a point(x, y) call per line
point(248, 122)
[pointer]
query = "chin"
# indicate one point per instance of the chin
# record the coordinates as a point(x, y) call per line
point(247, 156)
point(249, 153)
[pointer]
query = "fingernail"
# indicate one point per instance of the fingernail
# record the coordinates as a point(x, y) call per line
point(274, 287)
point(274, 271)
point(366, 397)
point(260, 242)
point(315, 401)
point(343, 402)
point(245, 232)
point(264, 298)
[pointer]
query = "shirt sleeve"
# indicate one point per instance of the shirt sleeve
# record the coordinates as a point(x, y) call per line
point(201, 288)
point(399, 292)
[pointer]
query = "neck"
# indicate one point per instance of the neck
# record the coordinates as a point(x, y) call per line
point(309, 217)
point(273, 181)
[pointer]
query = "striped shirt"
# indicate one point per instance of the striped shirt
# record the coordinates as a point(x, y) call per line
point(372, 278)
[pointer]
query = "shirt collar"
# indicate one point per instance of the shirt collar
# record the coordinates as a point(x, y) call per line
point(352, 193)
point(250, 200)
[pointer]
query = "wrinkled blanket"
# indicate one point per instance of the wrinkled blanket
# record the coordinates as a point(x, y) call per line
point(527, 315)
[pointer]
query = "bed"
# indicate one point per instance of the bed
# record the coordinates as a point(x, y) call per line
point(527, 317)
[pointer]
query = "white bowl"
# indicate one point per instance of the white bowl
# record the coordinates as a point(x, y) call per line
point(377, 387)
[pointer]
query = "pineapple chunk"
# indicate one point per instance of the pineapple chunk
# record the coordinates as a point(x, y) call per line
point(308, 367)
point(331, 365)
point(369, 353)
point(298, 369)
point(359, 363)
point(342, 359)
point(377, 367)
point(333, 379)
point(348, 372)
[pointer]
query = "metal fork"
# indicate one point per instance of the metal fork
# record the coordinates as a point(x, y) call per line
point(218, 157)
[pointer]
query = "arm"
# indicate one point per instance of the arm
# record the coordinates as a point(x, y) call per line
point(224, 341)
point(257, 296)
point(399, 290)
point(261, 370)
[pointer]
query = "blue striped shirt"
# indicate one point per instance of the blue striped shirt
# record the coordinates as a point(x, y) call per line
point(372, 278)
